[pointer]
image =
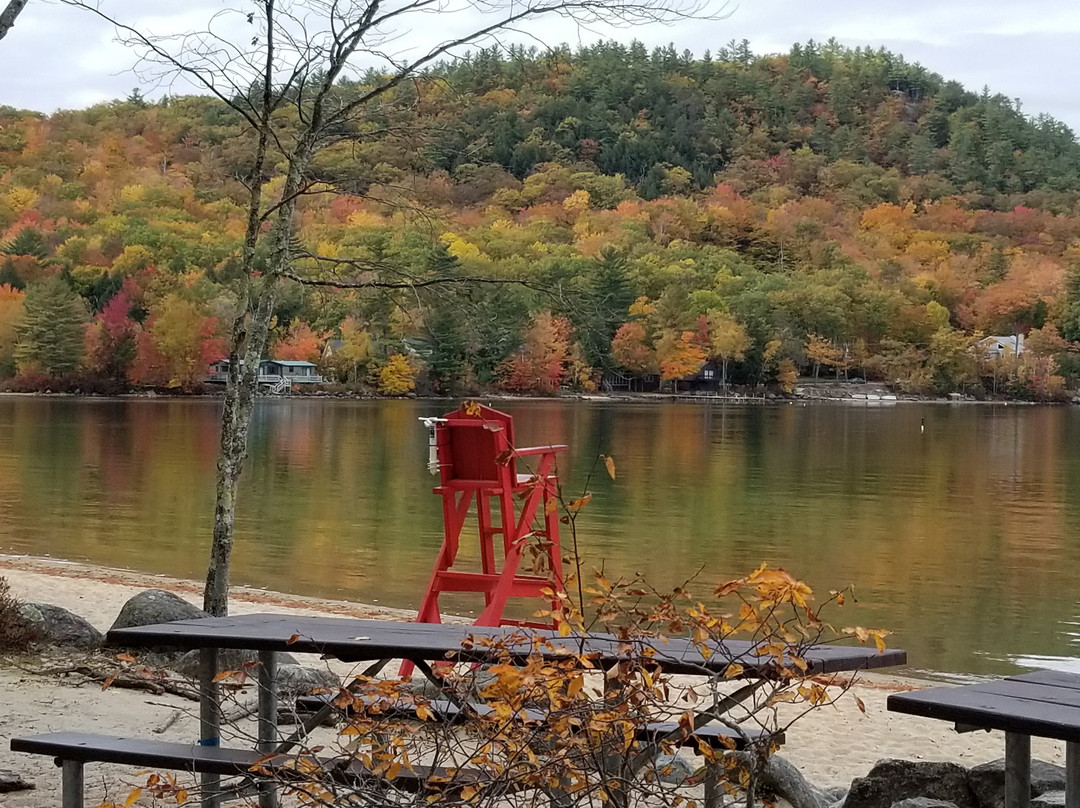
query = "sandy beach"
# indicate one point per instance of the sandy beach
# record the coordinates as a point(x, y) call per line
point(831, 746)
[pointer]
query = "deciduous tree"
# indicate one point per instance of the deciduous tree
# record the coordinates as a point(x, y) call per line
point(397, 377)
point(680, 355)
point(631, 351)
point(301, 344)
point(11, 312)
point(110, 339)
point(540, 365)
point(729, 341)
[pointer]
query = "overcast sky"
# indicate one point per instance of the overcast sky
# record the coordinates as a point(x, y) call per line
point(58, 57)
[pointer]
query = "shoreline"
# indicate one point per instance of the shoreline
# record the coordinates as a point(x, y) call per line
point(831, 746)
point(769, 399)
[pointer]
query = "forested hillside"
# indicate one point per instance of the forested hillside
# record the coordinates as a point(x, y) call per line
point(826, 211)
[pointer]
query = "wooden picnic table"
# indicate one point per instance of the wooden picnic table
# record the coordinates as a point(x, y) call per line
point(1043, 704)
point(354, 640)
point(378, 642)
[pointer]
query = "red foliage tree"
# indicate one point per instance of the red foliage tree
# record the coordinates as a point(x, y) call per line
point(540, 365)
point(111, 338)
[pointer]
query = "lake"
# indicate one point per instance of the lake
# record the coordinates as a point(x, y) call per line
point(963, 537)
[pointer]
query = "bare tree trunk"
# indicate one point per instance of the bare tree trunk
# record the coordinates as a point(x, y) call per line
point(240, 394)
point(8, 15)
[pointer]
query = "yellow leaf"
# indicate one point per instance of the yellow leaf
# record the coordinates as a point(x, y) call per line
point(733, 670)
point(181, 796)
point(468, 793)
point(564, 629)
point(472, 409)
point(132, 797)
point(609, 464)
point(423, 712)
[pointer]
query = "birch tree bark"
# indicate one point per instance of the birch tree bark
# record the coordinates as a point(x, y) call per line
point(9, 14)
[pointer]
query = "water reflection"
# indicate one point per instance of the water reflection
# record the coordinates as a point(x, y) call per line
point(961, 538)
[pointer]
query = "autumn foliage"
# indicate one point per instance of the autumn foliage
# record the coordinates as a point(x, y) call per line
point(860, 230)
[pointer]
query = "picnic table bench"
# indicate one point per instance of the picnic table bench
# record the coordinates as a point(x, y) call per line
point(1043, 704)
point(376, 642)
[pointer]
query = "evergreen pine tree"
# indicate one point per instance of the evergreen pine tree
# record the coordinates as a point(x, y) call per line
point(51, 334)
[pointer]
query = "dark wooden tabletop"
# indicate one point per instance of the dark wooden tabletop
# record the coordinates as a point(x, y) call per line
point(353, 640)
point(1045, 704)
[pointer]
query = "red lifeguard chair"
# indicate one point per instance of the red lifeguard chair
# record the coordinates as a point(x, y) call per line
point(482, 473)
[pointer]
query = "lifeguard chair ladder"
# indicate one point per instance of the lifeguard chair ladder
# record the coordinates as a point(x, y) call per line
point(478, 468)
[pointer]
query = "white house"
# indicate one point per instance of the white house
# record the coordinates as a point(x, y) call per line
point(276, 374)
point(997, 347)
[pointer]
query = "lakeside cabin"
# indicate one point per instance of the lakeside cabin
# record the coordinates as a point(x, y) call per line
point(275, 375)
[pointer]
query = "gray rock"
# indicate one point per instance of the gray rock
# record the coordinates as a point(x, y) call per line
point(785, 781)
point(835, 793)
point(9, 781)
point(155, 606)
point(988, 781)
point(229, 659)
point(672, 769)
point(297, 680)
point(52, 625)
point(892, 781)
point(1049, 799)
point(923, 802)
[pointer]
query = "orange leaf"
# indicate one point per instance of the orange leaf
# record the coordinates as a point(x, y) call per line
point(221, 677)
point(181, 796)
point(107, 682)
point(292, 639)
point(125, 657)
point(609, 464)
point(859, 703)
point(578, 504)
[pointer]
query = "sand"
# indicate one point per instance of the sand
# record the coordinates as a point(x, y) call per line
point(831, 746)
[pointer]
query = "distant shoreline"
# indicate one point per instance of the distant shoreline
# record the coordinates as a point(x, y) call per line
point(626, 398)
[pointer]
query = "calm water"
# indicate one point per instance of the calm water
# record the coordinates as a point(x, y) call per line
point(965, 539)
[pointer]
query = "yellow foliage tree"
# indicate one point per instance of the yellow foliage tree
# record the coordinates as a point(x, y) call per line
point(397, 377)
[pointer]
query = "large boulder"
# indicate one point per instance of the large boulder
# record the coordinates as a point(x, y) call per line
point(987, 781)
point(56, 626)
point(1049, 799)
point(293, 679)
point(155, 606)
point(892, 781)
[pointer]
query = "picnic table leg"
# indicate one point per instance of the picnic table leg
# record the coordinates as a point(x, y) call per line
point(714, 794)
point(1017, 770)
point(71, 777)
point(268, 797)
point(1072, 775)
point(209, 721)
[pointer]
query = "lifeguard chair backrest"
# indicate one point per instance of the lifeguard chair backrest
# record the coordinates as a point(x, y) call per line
point(470, 442)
